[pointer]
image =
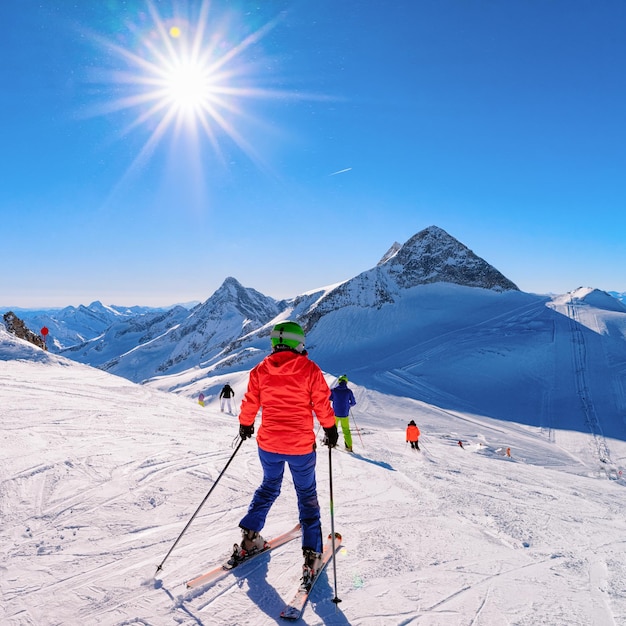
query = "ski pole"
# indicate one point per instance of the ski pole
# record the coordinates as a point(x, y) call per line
point(336, 600)
point(357, 428)
point(217, 480)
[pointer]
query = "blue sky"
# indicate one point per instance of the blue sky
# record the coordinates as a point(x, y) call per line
point(322, 132)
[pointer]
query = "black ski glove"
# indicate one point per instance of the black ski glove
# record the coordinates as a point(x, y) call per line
point(331, 436)
point(245, 432)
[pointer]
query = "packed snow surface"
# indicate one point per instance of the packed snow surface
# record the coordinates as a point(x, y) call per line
point(100, 475)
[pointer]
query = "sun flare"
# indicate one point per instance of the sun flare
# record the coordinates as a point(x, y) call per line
point(188, 87)
point(179, 77)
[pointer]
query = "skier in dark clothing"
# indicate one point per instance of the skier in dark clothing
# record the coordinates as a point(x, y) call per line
point(342, 398)
point(227, 397)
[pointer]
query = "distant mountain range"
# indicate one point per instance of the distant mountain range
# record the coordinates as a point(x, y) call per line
point(71, 326)
point(427, 293)
point(142, 343)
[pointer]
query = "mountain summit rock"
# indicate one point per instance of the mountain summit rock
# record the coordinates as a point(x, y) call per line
point(430, 256)
point(434, 256)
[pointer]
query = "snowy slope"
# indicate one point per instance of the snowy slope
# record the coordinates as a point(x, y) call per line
point(512, 356)
point(99, 476)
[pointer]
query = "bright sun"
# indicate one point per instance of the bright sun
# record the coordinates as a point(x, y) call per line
point(182, 77)
point(188, 87)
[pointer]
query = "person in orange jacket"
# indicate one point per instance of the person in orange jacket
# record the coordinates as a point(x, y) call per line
point(413, 435)
point(289, 388)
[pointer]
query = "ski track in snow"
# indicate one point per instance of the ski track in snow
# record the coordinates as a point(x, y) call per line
point(581, 345)
point(99, 477)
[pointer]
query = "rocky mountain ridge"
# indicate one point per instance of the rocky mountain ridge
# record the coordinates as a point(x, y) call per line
point(229, 331)
point(231, 326)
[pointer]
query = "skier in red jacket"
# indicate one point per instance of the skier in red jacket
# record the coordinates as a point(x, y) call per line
point(289, 388)
point(413, 435)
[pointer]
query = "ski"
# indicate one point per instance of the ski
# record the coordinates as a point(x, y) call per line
point(293, 611)
point(222, 570)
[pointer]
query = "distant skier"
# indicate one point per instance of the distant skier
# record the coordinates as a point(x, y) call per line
point(342, 398)
point(227, 396)
point(413, 435)
point(461, 444)
point(201, 399)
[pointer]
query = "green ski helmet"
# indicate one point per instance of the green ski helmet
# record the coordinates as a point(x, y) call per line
point(289, 335)
point(342, 379)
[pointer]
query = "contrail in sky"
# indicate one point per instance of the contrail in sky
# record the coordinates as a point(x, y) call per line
point(340, 171)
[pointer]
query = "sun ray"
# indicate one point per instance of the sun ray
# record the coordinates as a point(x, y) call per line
point(193, 82)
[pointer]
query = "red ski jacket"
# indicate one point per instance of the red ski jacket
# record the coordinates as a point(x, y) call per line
point(412, 433)
point(289, 388)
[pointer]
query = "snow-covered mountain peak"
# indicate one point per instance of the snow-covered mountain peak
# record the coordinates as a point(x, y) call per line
point(230, 286)
point(232, 297)
point(594, 297)
point(432, 256)
point(390, 253)
point(194, 337)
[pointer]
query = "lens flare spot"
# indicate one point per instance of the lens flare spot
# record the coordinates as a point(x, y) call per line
point(175, 32)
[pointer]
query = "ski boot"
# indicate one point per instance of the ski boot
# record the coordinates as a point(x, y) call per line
point(251, 542)
point(310, 567)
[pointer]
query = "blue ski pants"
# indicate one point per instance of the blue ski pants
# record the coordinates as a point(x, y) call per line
point(302, 468)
